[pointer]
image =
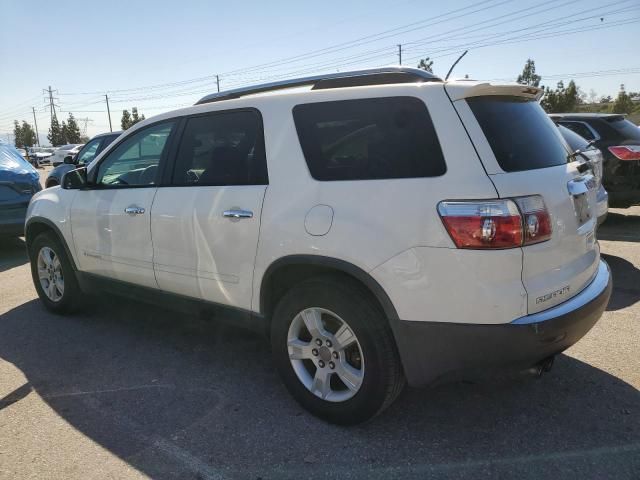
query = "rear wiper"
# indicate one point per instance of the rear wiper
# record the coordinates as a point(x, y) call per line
point(572, 156)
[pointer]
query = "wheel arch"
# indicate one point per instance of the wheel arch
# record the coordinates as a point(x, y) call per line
point(37, 225)
point(286, 271)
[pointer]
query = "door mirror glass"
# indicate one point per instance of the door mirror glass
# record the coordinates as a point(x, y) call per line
point(69, 160)
point(75, 179)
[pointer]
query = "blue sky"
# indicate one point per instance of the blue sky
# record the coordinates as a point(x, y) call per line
point(132, 49)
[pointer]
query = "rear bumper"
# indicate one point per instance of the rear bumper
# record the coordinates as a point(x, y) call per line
point(435, 351)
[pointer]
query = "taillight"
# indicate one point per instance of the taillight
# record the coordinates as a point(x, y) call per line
point(482, 224)
point(535, 219)
point(496, 224)
point(626, 152)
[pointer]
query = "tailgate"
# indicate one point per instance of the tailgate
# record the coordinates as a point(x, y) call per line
point(524, 154)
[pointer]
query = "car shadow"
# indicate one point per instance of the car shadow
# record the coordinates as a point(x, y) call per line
point(13, 253)
point(626, 282)
point(620, 227)
point(183, 397)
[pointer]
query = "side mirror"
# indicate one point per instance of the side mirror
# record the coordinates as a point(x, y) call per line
point(69, 160)
point(75, 179)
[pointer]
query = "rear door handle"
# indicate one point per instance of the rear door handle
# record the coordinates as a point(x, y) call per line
point(238, 213)
point(134, 210)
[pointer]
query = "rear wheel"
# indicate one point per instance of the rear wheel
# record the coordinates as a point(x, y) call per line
point(53, 275)
point(335, 352)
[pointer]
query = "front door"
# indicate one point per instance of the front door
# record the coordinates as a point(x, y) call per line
point(111, 222)
point(205, 226)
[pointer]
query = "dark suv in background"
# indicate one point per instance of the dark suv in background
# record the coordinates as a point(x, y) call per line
point(619, 141)
point(90, 151)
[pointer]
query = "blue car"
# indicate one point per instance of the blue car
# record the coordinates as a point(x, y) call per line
point(18, 182)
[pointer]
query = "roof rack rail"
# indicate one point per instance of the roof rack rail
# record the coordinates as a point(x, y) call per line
point(355, 78)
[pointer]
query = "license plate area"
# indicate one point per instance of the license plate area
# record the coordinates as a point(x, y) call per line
point(582, 189)
point(582, 208)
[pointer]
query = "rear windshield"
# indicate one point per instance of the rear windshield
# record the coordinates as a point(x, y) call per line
point(575, 141)
point(521, 135)
point(625, 128)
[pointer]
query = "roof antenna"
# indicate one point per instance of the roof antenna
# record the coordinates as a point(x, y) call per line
point(454, 64)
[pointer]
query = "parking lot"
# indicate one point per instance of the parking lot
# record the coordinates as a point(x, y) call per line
point(129, 390)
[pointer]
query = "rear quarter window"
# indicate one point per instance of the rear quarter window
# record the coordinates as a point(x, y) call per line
point(519, 132)
point(367, 139)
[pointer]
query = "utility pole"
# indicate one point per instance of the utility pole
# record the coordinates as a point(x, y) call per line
point(218, 82)
point(51, 106)
point(86, 120)
point(35, 122)
point(108, 112)
point(400, 53)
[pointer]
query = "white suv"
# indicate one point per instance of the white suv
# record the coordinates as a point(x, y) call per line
point(380, 226)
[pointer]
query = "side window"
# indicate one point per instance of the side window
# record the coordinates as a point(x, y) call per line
point(579, 128)
point(222, 148)
point(89, 151)
point(369, 139)
point(135, 161)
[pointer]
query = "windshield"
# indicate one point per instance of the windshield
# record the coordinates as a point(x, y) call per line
point(520, 133)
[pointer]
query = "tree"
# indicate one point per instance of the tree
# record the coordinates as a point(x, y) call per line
point(623, 103)
point(28, 135)
point(528, 76)
point(130, 119)
point(64, 133)
point(426, 64)
point(571, 97)
point(562, 99)
point(55, 135)
point(125, 122)
point(17, 134)
point(606, 99)
point(73, 130)
point(134, 116)
point(593, 96)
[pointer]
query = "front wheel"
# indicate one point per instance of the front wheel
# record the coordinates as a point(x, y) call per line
point(53, 275)
point(335, 351)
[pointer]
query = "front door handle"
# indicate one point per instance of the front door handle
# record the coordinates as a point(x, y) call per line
point(237, 213)
point(134, 210)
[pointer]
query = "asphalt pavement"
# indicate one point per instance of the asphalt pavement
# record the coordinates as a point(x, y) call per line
point(126, 390)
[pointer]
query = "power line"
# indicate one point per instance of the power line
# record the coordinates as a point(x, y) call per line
point(324, 51)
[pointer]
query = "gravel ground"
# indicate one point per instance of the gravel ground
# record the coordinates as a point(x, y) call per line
point(125, 390)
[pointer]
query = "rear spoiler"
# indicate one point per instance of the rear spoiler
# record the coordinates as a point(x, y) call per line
point(459, 91)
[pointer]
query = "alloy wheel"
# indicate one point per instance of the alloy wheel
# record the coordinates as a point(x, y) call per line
point(325, 354)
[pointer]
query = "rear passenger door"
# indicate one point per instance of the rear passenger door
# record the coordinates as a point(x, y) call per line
point(205, 223)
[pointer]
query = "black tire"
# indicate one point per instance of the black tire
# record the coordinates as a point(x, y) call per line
point(71, 298)
point(383, 378)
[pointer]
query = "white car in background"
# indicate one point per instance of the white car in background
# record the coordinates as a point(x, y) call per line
point(40, 156)
point(64, 151)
